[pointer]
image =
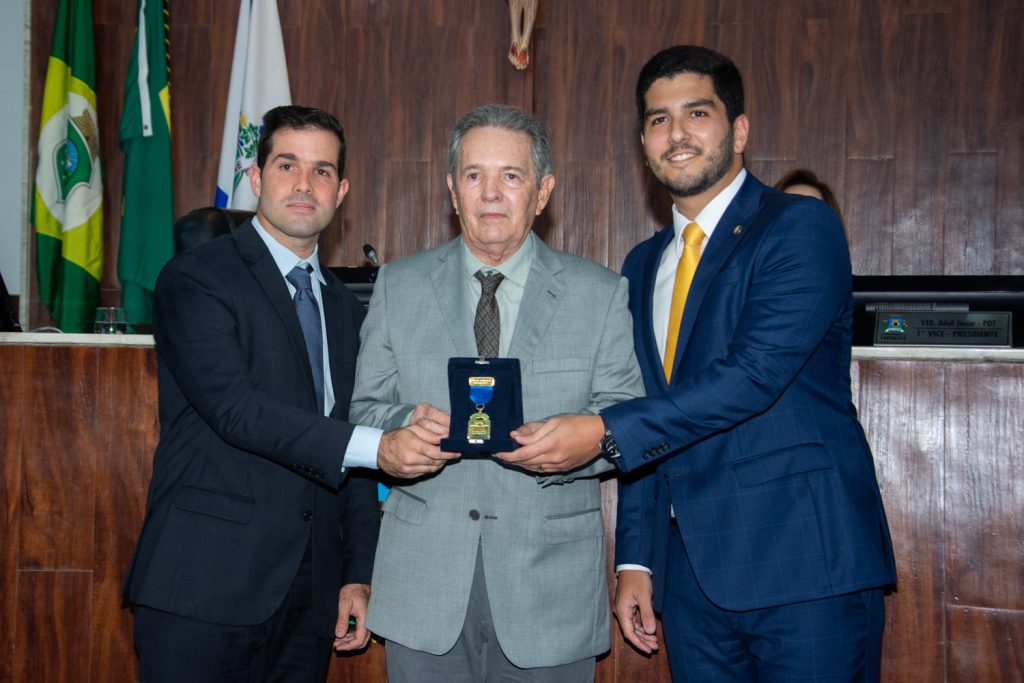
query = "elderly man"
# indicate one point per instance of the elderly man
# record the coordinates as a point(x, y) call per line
point(486, 571)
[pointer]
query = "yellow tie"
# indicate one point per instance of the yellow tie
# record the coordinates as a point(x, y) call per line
point(693, 236)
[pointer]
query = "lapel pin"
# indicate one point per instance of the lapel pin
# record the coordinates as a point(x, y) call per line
point(737, 230)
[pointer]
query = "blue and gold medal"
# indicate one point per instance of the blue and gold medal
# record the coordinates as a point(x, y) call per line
point(481, 390)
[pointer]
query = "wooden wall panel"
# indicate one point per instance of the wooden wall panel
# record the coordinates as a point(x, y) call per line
point(404, 176)
point(829, 85)
point(969, 238)
point(987, 500)
point(944, 437)
point(126, 436)
point(585, 210)
point(364, 53)
point(901, 409)
point(59, 464)
point(1009, 257)
point(985, 645)
point(975, 124)
point(871, 79)
point(921, 147)
point(869, 214)
point(55, 628)
point(782, 98)
point(12, 370)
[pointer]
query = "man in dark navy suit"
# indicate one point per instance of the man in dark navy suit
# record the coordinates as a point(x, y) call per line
point(749, 513)
point(258, 541)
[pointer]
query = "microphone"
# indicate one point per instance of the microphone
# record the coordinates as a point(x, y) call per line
point(371, 255)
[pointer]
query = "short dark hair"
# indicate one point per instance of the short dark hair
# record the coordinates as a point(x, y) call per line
point(294, 117)
point(507, 118)
point(802, 176)
point(672, 61)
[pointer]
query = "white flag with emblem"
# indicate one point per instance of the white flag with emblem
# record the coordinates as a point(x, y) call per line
point(259, 82)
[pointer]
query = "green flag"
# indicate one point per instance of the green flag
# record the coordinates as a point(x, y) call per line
point(67, 208)
point(147, 207)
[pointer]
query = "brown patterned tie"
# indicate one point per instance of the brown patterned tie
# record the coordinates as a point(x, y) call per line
point(487, 325)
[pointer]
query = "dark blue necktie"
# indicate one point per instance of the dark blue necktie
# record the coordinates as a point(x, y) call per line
point(309, 318)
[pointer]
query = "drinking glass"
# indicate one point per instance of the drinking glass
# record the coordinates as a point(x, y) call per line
point(110, 320)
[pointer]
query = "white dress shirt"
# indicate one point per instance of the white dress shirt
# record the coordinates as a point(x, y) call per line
point(665, 280)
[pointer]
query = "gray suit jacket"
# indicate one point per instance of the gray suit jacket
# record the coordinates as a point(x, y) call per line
point(542, 540)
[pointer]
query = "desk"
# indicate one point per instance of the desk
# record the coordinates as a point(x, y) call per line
point(78, 424)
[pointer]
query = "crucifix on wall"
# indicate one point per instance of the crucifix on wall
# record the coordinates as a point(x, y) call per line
point(522, 14)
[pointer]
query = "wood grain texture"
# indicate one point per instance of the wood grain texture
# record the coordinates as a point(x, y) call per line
point(985, 645)
point(127, 429)
point(944, 437)
point(869, 212)
point(58, 465)
point(55, 628)
point(1009, 257)
point(872, 79)
point(828, 84)
point(901, 408)
point(12, 426)
point(969, 238)
point(919, 227)
point(984, 491)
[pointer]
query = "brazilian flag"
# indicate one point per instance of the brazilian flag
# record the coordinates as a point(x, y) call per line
point(147, 206)
point(67, 209)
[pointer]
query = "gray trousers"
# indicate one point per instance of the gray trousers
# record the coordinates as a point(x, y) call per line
point(477, 656)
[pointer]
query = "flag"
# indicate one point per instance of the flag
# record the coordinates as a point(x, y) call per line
point(147, 207)
point(67, 205)
point(259, 82)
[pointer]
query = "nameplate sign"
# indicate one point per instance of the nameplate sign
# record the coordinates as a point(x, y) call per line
point(933, 328)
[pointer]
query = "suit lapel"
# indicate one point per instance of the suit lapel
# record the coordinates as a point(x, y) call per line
point(541, 297)
point(648, 278)
point(255, 253)
point(729, 232)
point(451, 300)
point(339, 342)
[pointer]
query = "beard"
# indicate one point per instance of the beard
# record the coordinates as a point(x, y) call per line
point(719, 161)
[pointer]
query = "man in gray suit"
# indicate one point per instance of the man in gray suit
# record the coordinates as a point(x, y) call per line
point(485, 571)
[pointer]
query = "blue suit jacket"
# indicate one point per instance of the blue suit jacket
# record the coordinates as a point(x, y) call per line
point(756, 443)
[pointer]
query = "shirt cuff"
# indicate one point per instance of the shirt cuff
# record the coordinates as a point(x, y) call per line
point(362, 448)
point(637, 567)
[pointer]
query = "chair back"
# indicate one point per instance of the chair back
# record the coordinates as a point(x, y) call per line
point(202, 225)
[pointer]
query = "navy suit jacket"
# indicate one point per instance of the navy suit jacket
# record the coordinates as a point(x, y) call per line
point(755, 444)
point(246, 472)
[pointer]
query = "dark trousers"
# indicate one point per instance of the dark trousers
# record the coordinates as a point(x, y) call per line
point(831, 640)
point(173, 649)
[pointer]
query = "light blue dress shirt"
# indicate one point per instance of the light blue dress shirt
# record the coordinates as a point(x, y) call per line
point(362, 446)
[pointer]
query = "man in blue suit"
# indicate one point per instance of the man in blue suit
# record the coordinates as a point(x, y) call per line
point(749, 512)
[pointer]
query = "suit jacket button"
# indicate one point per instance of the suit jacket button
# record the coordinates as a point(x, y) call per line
point(474, 515)
point(307, 515)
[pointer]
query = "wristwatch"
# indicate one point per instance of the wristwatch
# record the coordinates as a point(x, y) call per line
point(608, 445)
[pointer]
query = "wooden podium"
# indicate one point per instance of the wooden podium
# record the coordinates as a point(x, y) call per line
point(78, 426)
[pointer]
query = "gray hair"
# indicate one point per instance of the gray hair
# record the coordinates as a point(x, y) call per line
point(507, 118)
